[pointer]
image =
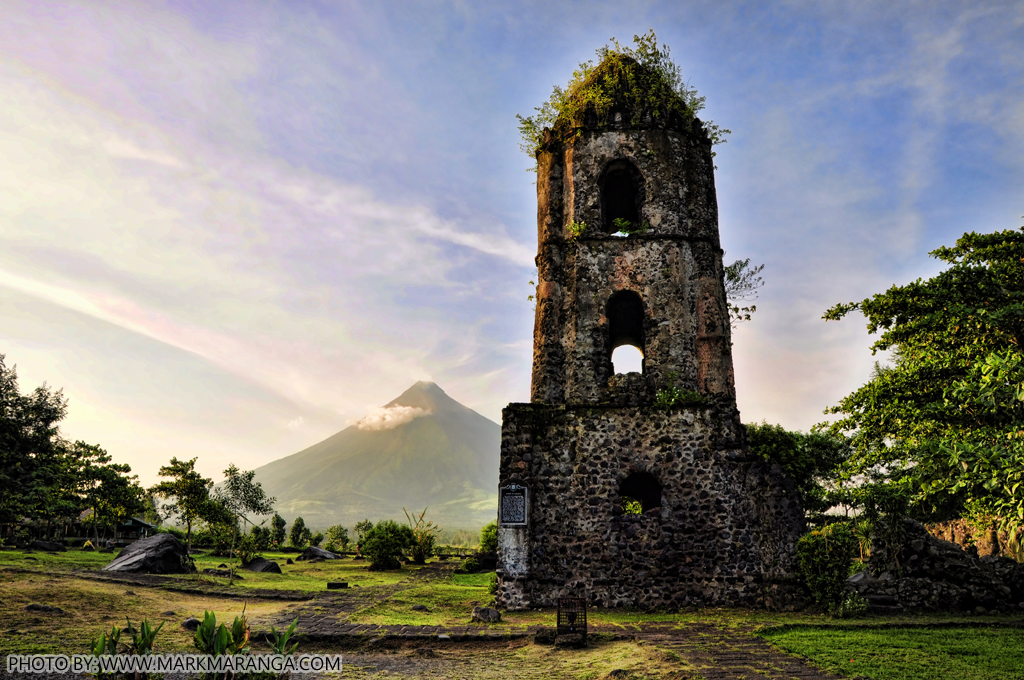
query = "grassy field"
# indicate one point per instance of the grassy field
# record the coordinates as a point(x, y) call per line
point(908, 647)
point(909, 653)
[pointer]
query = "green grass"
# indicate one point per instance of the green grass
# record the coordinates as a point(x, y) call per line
point(304, 576)
point(909, 653)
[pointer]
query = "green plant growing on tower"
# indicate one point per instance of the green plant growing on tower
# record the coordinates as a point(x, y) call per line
point(643, 76)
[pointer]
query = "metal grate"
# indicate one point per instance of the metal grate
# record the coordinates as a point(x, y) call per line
point(572, 616)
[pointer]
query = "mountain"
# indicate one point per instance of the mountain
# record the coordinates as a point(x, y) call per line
point(424, 449)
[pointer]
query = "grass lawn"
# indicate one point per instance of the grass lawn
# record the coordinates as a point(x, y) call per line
point(91, 607)
point(881, 648)
point(909, 653)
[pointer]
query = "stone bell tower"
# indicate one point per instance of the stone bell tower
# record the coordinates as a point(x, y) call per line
point(629, 254)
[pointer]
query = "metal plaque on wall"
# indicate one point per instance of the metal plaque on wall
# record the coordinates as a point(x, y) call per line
point(512, 505)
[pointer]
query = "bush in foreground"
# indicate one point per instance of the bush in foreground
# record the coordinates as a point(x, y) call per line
point(386, 544)
point(824, 556)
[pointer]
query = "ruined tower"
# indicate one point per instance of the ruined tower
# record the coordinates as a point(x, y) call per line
point(629, 254)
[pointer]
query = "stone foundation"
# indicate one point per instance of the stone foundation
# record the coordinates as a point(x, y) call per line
point(724, 533)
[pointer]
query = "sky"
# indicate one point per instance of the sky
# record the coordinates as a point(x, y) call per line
point(229, 230)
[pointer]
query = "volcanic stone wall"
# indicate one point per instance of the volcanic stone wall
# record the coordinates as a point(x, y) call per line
point(675, 266)
point(724, 534)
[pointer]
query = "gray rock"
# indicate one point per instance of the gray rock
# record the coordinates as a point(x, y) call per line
point(545, 636)
point(167, 613)
point(191, 623)
point(45, 608)
point(312, 553)
point(48, 546)
point(159, 554)
point(259, 564)
point(571, 641)
point(420, 608)
point(486, 615)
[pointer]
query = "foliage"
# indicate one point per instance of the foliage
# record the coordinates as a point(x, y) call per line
point(277, 532)
point(850, 606)
point(363, 528)
point(299, 534)
point(623, 225)
point(946, 414)
point(811, 460)
point(824, 557)
point(492, 583)
point(631, 506)
point(141, 641)
point(643, 77)
point(239, 496)
point(741, 284)
point(337, 538)
point(316, 539)
point(470, 565)
point(187, 490)
point(385, 544)
point(576, 230)
point(489, 537)
point(221, 640)
point(279, 641)
point(673, 397)
point(424, 535)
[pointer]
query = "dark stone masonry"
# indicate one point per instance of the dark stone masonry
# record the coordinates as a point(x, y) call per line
point(717, 525)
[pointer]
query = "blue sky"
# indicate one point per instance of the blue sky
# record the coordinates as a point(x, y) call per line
point(228, 230)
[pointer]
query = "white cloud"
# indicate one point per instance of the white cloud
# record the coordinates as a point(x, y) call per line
point(388, 418)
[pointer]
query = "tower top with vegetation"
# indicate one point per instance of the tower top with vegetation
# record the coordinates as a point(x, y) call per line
point(634, 87)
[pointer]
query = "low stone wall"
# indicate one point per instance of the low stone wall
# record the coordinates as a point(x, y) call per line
point(938, 575)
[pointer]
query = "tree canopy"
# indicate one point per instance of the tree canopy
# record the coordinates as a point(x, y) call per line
point(947, 416)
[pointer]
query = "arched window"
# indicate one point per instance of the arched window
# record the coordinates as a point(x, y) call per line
point(622, 195)
point(627, 359)
point(640, 488)
point(625, 325)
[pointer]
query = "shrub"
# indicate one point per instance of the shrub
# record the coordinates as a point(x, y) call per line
point(492, 584)
point(489, 537)
point(470, 565)
point(424, 535)
point(824, 556)
point(385, 544)
point(337, 538)
point(316, 539)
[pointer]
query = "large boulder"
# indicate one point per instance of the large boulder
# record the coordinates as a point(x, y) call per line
point(260, 564)
point(48, 546)
point(312, 553)
point(159, 554)
point(937, 575)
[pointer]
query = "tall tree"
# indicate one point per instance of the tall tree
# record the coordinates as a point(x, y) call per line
point(31, 450)
point(946, 415)
point(187, 492)
point(241, 495)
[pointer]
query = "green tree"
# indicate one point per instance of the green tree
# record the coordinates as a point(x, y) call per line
point(489, 537)
point(385, 544)
point(363, 528)
point(742, 282)
point(31, 450)
point(946, 415)
point(241, 496)
point(337, 538)
point(187, 492)
point(812, 461)
point(299, 534)
point(277, 530)
point(316, 539)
